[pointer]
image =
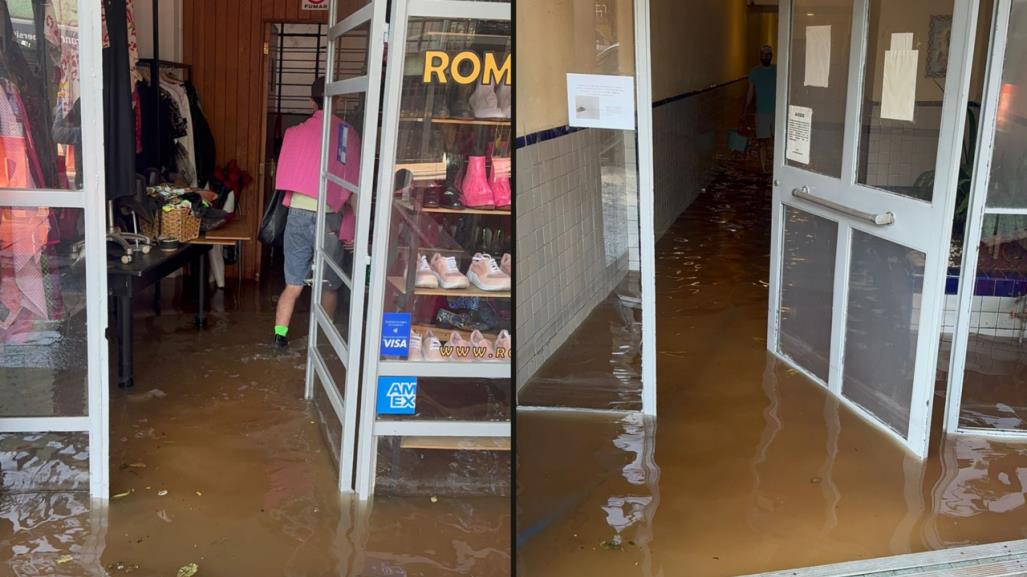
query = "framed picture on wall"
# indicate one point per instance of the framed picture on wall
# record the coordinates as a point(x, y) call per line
point(938, 46)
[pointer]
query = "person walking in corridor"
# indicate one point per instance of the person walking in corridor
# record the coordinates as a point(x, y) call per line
point(299, 165)
point(763, 94)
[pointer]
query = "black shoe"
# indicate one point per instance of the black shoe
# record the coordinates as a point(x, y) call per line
point(281, 342)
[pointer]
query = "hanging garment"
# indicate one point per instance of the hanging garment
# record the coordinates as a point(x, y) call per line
point(185, 160)
point(204, 148)
point(24, 234)
point(119, 120)
point(33, 94)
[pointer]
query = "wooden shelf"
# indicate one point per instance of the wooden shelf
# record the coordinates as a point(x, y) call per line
point(425, 170)
point(410, 207)
point(459, 121)
point(457, 443)
point(400, 284)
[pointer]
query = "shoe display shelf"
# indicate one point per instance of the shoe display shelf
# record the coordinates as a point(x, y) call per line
point(442, 209)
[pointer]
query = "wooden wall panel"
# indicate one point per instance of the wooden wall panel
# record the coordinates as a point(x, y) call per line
point(223, 40)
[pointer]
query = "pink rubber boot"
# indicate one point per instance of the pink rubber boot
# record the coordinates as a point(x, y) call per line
point(500, 182)
point(475, 191)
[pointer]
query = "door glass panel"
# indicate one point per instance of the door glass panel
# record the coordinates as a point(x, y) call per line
point(332, 361)
point(42, 313)
point(904, 87)
point(43, 462)
point(885, 286)
point(807, 290)
point(819, 79)
point(346, 8)
point(335, 299)
point(40, 122)
point(1008, 185)
point(351, 52)
point(995, 377)
point(331, 427)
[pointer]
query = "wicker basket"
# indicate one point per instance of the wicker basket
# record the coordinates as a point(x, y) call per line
point(178, 223)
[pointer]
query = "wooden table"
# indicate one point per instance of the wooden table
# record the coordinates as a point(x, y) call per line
point(234, 234)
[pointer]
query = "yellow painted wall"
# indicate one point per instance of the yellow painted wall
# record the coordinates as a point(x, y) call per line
point(695, 44)
point(699, 43)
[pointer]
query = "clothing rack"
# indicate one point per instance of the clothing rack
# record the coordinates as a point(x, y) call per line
point(156, 64)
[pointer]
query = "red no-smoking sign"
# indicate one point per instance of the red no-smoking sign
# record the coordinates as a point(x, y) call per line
point(315, 4)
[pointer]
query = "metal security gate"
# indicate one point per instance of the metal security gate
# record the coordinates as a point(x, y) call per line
point(350, 137)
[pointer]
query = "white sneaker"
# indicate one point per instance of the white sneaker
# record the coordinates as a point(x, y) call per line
point(431, 349)
point(503, 94)
point(448, 274)
point(485, 103)
point(481, 348)
point(485, 274)
point(425, 278)
point(414, 352)
point(504, 346)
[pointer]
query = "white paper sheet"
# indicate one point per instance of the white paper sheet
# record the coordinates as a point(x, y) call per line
point(601, 101)
point(818, 56)
point(898, 96)
point(800, 130)
point(902, 41)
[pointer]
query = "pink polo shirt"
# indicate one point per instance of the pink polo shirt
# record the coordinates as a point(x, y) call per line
point(299, 164)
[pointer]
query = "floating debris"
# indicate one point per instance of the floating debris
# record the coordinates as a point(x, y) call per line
point(65, 559)
point(125, 494)
point(188, 570)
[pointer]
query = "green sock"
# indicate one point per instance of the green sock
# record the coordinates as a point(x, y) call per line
point(281, 331)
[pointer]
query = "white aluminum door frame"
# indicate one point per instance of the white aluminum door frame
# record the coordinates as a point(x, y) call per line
point(370, 429)
point(925, 227)
point(646, 201)
point(91, 199)
point(348, 349)
point(975, 223)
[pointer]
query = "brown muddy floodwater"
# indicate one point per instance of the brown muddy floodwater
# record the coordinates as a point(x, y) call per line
point(750, 467)
point(225, 466)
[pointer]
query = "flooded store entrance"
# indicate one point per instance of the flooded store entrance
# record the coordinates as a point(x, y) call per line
point(749, 466)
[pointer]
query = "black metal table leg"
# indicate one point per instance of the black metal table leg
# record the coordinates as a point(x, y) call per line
point(125, 364)
point(201, 304)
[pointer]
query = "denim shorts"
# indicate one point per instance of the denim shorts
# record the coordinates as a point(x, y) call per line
point(298, 248)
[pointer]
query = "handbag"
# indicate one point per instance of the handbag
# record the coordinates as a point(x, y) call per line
point(272, 226)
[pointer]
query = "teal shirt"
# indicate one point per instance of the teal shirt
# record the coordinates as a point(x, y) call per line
point(764, 81)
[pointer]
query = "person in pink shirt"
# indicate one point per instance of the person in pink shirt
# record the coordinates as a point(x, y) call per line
point(299, 166)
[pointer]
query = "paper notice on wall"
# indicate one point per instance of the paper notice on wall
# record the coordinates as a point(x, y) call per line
point(898, 95)
point(601, 101)
point(800, 131)
point(902, 41)
point(818, 56)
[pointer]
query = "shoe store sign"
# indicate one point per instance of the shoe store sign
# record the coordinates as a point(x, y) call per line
point(601, 101)
point(466, 68)
point(315, 4)
point(397, 395)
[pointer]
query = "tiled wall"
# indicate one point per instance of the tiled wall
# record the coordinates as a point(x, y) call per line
point(577, 211)
point(899, 153)
point(566, 230)
point(687, 134)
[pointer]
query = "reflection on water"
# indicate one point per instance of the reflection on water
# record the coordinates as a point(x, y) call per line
point(758, 468)
point(217, 460)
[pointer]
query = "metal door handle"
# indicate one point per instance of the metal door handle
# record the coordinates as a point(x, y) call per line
point(880, 219)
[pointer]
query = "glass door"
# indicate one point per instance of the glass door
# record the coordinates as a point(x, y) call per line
point(871, 107)
point(987, 388)
point(436, 402)
point(53, 273)
point(356, 43)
